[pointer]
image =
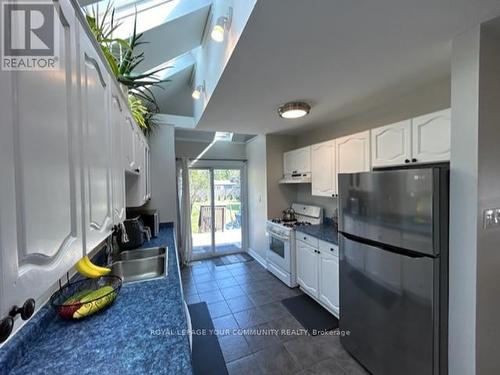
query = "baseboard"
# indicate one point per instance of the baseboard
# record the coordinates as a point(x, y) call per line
point(257, 257)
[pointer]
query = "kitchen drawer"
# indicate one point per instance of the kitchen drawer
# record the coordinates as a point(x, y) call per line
point(329, 248)
point(310, 240)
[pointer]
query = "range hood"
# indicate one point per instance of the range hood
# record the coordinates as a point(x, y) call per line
point(296, 178)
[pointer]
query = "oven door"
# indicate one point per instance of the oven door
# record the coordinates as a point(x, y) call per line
point(279, 251)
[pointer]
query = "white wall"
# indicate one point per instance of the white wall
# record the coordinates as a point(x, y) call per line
point(279, 196)
point(163, 180)
point(474, 331)
point(257, 195)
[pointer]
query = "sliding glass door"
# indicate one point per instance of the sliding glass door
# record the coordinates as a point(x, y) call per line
point(217, 207)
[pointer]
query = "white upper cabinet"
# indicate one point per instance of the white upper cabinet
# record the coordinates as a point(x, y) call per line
point(129, 144)
point(323, 169)
point(353, 153)
point(95, 98)
point(391, 144)
point(297, 161)
point(431, 137)
point(118, 172)
point(40, 215)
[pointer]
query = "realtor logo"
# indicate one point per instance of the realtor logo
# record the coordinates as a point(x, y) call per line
point(29, 35)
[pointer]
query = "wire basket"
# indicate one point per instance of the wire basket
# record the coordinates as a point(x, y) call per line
point(80, 299)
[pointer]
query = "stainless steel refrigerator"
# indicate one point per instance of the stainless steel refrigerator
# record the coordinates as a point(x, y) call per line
point(393, 241)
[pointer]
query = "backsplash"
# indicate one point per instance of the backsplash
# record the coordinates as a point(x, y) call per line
point(304, 196)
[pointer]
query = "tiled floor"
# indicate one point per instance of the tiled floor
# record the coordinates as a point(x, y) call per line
point(244, 296)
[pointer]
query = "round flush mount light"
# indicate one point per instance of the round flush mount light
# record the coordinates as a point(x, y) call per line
point(294, 110)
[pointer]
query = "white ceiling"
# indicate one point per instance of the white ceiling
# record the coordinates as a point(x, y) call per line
point(206, 136)
point(342, 56)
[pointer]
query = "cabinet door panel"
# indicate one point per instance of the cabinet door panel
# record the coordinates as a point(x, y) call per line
point(95, 115)
point(391, 144)
point(118, 176)
point(129, 144)
point(302, 160)
point(307, 268)
point(431, 137)
point(323, 169)
point(329, 281)
point(353, 153)
point(40, 218)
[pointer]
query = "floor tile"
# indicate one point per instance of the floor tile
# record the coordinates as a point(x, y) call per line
point(198, 279)
point(224, 323)
point(209, 297)
point(288, 328)
point(193, 298)
point(260, 337)
point(305, 350)
point(260, 298)
point(276, 360)
point(227, 282)
point(326, 367)
point(244, 366)
point(240, 303)
point(232, 292)
point(233, 347)
point(207, 286)
point(249, 318)
point(274, 311)
point(218, 309)
point(221, 275)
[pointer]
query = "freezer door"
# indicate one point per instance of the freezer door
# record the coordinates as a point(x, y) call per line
point(399, 208)
point(386, 303)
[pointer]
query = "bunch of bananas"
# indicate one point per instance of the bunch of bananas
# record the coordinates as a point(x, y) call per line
point(89, 269)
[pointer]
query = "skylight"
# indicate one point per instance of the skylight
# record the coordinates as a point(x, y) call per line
point(223, 136)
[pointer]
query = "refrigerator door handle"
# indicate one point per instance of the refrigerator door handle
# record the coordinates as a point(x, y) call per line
point(385, 247)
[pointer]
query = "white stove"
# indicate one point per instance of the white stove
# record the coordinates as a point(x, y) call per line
point(281, 254)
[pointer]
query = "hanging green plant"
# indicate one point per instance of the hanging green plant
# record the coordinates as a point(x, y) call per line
point(123, 60)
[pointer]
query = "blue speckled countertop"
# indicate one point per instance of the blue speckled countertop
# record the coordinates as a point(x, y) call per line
point(141, 333)
point(325, 232)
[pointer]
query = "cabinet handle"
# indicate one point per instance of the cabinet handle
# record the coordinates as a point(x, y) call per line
point(6, 326)
point(414, 160)
point(26, 310)
point(407, 161)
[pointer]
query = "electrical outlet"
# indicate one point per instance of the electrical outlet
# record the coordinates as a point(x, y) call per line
point(491, 218)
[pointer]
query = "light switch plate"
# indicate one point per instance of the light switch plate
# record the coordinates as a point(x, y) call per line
point(491, 218)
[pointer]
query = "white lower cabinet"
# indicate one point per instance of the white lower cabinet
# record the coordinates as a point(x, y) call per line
point(318, 272)
point(307, 268)
point(329, 280)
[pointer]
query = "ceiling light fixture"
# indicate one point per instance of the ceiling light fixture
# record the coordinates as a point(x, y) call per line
point(294, 110)
point(223, 23)
point(200, 89)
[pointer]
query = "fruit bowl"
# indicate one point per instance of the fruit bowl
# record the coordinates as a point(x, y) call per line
point(80, 299)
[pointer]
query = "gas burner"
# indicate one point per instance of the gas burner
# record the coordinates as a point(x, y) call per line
point(302, 223)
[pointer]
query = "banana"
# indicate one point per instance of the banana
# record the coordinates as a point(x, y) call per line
point(102, 270)
point(88, 269)
point(98, 300)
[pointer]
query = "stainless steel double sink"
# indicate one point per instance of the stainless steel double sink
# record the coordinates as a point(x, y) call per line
point(140, 264)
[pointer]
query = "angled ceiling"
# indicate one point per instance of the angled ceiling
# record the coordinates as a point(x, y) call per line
point(206, 136)
point(173, 31)
point(342, 56)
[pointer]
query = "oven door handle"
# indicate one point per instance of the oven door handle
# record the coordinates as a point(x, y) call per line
point(279, 237)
